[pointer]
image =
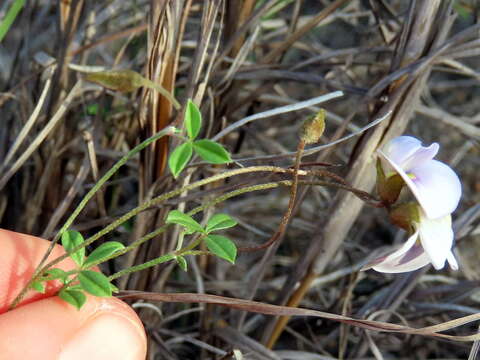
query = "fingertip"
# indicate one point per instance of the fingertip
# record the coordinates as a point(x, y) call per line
point(21, 253)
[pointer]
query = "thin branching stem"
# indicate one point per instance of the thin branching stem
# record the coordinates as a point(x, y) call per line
point(153, 202)
point(40, 268)
point(188, 250)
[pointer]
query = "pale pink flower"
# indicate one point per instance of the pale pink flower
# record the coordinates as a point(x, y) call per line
point(431, 243)
point(435, 185)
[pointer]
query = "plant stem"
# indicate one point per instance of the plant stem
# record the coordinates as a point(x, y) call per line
point(188, 249)
point(194, 211)
point(135, 211)
point(159, 260)
point(286, 217)
point(40, 268)
point(164, 197)
point(167, 131)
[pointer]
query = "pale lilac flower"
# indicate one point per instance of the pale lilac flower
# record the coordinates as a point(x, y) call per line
point(434, 184)
point(431, 243)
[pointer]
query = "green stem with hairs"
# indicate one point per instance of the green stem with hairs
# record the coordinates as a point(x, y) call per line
point(159, 199)
point(134, 212)
point(188, 250)
point(40, 267)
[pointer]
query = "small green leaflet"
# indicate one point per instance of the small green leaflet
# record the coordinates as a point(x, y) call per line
point(70, 240)
point(92, 109)
point(193, 120)
point(219, 222)
point(95, 283)
point(56, 273)
point(114, 288)
point(211, 152)
point(102, 252)
point(222, 247)
point(179, 158)
point(39, 286)
point(177, 217)
point(181, 262)
point(74, 297)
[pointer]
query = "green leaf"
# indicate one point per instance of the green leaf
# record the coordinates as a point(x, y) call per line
point(219, 222)
point(211, 151)
point(177, 217)
point(92, 109)
point(181, 262)
point(56, 274)
point(95, 283)
point(10, 17)
point(179, 158)
point(222, 247)
point(76, 287)
point(102, 252)
point(74, 297)
point(70, 240)
point(114, 288)
point(193, 120)
point(39, 286)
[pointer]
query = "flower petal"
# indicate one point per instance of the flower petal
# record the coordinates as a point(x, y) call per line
point(408, 152)
point(436, 236)
point(452, 261)
point(401, 148)
point(421, 156)
point(436, 187)
point(409, 257)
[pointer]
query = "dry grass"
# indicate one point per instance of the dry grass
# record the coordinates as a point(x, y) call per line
point(417, 59)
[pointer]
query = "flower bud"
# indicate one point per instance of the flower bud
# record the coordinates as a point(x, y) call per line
point(312, 129)
point(118, 80)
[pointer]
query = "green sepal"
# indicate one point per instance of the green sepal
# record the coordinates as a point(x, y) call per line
point(388, 188)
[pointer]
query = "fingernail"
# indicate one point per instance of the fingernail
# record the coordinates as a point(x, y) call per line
point(106, 336)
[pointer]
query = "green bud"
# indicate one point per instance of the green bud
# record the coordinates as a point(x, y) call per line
point(313, 128)
point(118, 80)
point(127, 81)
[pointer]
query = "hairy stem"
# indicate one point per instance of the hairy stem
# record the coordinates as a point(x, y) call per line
point(40, 268)
point(135, 211)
